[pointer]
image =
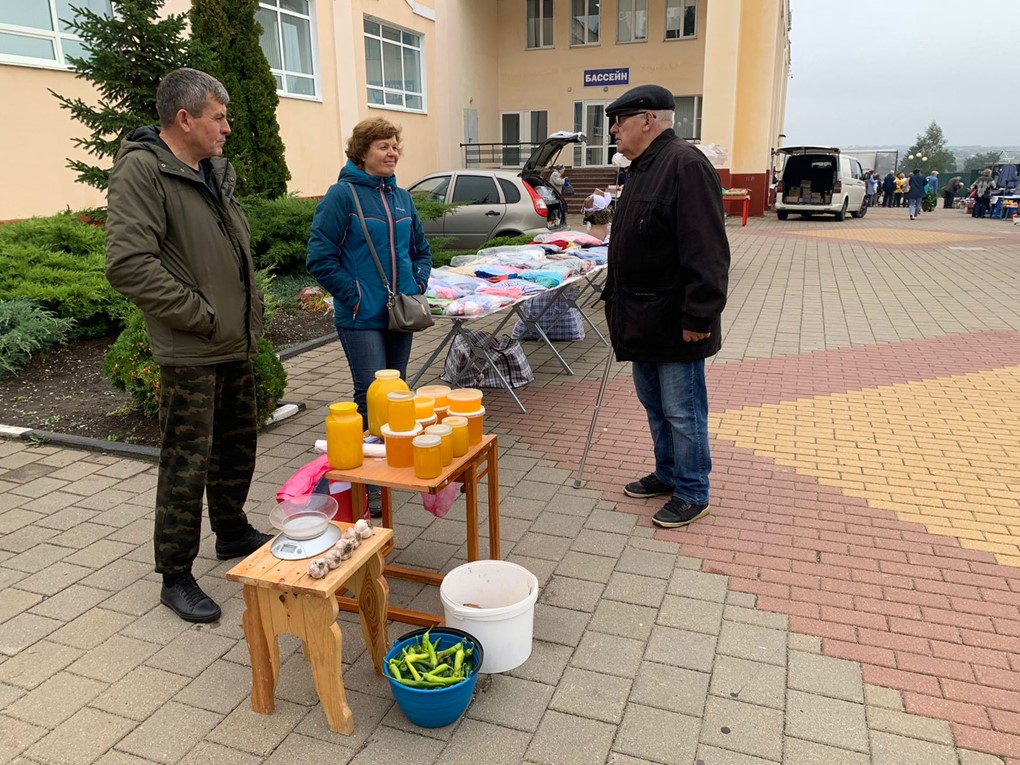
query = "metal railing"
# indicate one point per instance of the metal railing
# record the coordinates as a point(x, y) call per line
point(497, 154)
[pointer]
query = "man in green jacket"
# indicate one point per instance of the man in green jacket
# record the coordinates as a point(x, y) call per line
point(177, 246)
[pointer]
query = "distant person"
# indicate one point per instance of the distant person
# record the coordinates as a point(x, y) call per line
point(916, 187)
point(982, 189)
point(558, 177)
point(949, 192)
point(598, 214)
point(888, 189)
point(933, 182)
point(901, 189)
point(871, 187)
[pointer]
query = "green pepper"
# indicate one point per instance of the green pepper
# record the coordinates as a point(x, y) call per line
point(458, 660)
point(395, 670)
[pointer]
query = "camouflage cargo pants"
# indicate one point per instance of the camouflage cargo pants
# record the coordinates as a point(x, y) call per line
point(208, 425)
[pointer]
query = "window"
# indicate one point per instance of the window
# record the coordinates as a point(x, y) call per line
point(540, 23)
point(475, 190)
point(37, 32)
point(632, 21)
point(287, 42)
point(688, 117)
point(434, 187)
point(584, 22)
point(511, 194)
point(393, 59)
point(681, 19)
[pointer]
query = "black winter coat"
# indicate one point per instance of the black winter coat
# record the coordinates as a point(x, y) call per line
point(669, 257)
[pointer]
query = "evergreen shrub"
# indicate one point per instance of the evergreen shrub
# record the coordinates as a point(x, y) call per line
point(26, 327)
point(279, 232)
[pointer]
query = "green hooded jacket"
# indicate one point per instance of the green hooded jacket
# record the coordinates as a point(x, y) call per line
point(181, 255)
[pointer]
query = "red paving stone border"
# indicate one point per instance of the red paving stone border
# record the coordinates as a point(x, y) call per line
point(922, 615)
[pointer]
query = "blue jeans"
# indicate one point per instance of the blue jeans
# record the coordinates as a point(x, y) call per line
point(915, 206)
point(676, 399)
point(368, 351)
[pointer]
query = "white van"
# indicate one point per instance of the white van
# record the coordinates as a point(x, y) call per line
point(820, 180)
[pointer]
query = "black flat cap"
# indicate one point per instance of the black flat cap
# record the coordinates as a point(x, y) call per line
point(642, 98)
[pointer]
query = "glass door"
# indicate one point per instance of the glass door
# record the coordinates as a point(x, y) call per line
point(595, 127)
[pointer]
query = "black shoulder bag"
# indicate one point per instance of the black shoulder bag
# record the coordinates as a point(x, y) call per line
point(407, 313)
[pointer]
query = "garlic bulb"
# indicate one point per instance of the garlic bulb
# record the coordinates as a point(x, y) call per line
point(364, 528)
point(317, 569)
point(333, 558)
point(345, 548)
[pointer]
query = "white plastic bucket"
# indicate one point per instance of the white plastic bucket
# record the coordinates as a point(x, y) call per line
point(504, 621)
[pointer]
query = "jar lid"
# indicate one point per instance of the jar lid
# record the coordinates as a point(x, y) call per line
point(420, 398)
point(426, 442)
point(434, 390)
point(387, 374)
point(465, 394)
point(455, 421)
point(343, 407)
point(439, 430)
point(386, 430)
point(400, 395)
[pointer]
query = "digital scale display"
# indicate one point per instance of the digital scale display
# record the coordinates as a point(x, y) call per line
point(290, 548)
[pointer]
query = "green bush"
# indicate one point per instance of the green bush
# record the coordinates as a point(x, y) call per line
point(130, 367)
point(59, 263)
point(279, 232)
point(26, 327)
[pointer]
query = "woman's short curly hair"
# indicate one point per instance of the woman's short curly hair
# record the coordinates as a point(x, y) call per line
point(365, 132)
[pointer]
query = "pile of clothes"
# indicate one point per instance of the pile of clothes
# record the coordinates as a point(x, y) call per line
point(474, 285)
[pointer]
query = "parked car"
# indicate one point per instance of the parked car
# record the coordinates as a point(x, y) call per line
point(498, 202)
point(820, 180)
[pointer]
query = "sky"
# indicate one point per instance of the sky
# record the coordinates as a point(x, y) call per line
point(876, 72)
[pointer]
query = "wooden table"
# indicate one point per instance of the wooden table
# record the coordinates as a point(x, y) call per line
point(743, 196)
point(481, 460)
point(281, 597)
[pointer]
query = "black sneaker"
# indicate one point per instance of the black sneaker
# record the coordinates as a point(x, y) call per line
point(245, 543)
point(678, 512)
point(375, 504)
point(649, 486)
point(186, 599)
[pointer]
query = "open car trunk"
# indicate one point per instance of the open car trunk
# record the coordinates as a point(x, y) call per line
point(808, 178)
point(542, 158)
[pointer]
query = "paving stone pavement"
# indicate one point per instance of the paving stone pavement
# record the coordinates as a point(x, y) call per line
point(854, 597)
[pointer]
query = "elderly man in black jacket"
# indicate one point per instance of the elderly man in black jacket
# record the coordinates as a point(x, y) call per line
point(665, 291)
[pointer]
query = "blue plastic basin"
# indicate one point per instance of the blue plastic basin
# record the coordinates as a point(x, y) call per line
point(435, 707)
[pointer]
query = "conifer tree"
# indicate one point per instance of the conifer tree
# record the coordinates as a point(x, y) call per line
point(931, 144)
point(127, 55)
point(230, 31)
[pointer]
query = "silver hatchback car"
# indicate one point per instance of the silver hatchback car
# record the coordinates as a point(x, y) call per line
point(495, 203)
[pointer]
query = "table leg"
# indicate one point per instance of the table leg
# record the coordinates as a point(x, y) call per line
point(264, 652)
point(324, 641)
point(373, 598)
point(492, 471)
point(471, 500)
point(455, 330)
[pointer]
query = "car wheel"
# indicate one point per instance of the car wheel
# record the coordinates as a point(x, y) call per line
point(863, 211)
point(841, 215)
point(782, 214)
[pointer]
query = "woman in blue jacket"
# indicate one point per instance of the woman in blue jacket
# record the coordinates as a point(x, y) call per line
point(340, 261)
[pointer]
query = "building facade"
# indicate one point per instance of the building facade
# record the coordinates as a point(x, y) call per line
point(451, 73)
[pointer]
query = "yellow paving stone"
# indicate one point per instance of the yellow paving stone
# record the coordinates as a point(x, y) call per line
point(938, 452)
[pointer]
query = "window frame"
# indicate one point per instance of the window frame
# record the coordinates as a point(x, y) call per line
point(634, 10)
point(588, 5)
point(683, 6)
point(383, 89)
point(54, 36)
point(273, 6)
point(542, 44)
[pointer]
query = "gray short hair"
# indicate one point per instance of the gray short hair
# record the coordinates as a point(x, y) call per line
point(667, 117)
point(187, 89)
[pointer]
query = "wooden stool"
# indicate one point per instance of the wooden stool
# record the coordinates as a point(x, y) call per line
point(281, 597)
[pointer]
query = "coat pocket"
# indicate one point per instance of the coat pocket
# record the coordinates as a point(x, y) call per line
point(644, 322)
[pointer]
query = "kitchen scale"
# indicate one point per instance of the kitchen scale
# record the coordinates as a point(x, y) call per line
point(305, 525)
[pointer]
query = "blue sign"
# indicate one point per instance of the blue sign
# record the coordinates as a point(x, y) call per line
point(618, 76)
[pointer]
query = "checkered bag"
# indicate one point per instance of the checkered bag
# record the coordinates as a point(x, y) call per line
point(560, 322)
point(464, 370)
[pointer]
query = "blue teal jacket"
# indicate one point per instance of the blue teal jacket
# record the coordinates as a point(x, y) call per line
point(339, 258)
